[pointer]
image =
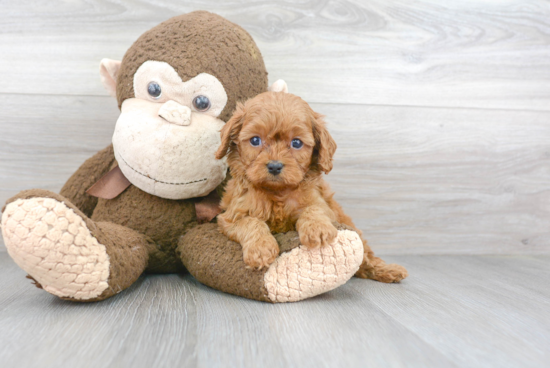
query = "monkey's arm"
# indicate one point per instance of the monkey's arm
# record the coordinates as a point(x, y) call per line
point(86, 176)
point(298, 272)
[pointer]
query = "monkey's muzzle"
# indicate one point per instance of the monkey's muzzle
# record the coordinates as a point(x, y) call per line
point(175, 113)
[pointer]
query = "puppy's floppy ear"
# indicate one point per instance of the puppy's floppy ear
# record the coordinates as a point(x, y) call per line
point(324, 144)
point(231, 130)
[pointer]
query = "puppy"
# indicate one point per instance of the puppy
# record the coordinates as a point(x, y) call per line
point(278, 148)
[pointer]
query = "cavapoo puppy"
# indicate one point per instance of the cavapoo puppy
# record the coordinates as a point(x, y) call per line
point(278, 148)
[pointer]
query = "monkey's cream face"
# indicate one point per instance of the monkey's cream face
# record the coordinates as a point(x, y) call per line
point(166, 137)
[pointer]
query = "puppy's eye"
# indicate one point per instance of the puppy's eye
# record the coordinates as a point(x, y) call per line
point(154, 90)
point(296, 143)
point(201, 103)
point(255, 141)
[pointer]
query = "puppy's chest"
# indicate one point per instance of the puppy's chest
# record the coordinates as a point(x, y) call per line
point(283, 217)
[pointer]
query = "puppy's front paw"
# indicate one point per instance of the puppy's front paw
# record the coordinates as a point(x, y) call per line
point(261, 253)
point(313, 234)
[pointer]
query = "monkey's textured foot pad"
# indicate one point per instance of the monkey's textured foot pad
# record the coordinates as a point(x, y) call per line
point(53, 245)
point(303, 273)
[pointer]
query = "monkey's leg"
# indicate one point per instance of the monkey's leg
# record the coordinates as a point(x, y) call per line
point(298, 273)
point(376, 269)
point(68, 254)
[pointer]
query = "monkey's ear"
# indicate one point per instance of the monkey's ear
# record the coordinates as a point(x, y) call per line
point(230, 131)
point(108, 70)
point(278, 86)
point(324, 144)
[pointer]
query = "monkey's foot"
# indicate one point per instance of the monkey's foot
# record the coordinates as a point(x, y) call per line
point(54, 246)
point(303, 273)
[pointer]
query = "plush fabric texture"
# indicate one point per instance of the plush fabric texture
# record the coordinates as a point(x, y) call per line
point(108, 71)
point(199, 42)
point(174, 89)
point(89, 173)
point(291, 278)
point(216, 261)
point(128, 252)
point(297, 274)
point(175, 113)
point(278, 86)
point(162, 220)
point(48, 240)
point(51, 258)
point(164, 159)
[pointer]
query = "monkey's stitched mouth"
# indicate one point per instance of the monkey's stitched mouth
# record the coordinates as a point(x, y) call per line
point(160, 181)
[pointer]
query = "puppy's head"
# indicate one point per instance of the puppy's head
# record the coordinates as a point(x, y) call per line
point(274, 140)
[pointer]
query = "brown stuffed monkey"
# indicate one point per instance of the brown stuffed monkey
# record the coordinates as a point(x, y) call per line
point(147, 203)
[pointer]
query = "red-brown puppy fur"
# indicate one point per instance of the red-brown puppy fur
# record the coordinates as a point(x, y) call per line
point(258, 203)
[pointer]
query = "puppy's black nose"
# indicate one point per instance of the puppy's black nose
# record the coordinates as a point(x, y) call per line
point(275, 167)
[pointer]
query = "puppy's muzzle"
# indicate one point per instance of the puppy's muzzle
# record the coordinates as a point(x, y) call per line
point(275, 167)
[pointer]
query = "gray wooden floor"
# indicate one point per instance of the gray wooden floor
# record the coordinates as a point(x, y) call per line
point(441, 112)
point(453, 311)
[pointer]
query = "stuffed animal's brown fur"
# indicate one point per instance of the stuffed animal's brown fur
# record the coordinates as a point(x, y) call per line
point(82, 248)
point(282, 128)
point(194, 43)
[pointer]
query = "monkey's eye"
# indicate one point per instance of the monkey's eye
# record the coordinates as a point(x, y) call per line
point(201, 103)
point(296, 143)
point(154, 90)
point(255, 141)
